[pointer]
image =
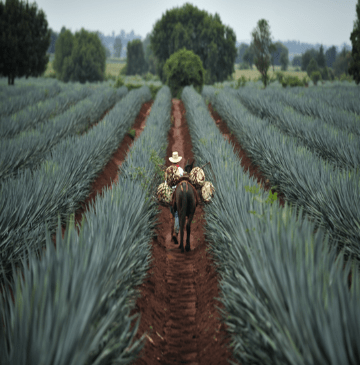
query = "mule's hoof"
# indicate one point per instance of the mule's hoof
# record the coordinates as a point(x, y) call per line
point(182, 249)
point(187, 248)
point(175, 241)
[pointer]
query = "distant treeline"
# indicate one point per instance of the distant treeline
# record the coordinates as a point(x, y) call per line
point(294, 47)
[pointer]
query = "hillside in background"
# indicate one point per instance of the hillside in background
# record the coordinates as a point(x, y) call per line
point(109, 40)
point(297, 47)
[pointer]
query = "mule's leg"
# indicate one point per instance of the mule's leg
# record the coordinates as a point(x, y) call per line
point(188, 228)
point(182, 219)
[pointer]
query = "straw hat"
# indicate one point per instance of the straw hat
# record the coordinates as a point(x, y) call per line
point(175, 157)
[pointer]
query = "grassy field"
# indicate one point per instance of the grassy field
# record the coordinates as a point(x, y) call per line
point(113, 67)
point(254, 73)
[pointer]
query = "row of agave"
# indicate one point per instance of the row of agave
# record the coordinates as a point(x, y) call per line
point(328, 194)
point(61, 182)
point(284, 288)
point(35, 114)
point(16, 102)
point(330, 143)
point(338, 96)
point(29, 149)
point(315, 105)
point(73, 306)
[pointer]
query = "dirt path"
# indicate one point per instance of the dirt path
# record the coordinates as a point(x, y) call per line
point(177, 302)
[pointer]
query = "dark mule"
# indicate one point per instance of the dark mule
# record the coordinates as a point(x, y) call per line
point(185, 203)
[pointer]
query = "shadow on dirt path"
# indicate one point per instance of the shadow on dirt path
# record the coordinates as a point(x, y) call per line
point(177, 304)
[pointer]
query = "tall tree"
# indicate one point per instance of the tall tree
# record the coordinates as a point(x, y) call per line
point(296, 61)
point(200, 32)
point(342, 62)
point(354, 68)
point(279, 55)
point(150, 59)
point(25, 38)
point(330, 56)
point(306, 58)
point(249, 55)
point(80, 57)
point(241, 51)
point(320, 59)
point(117, 47)
point(261, 40)
point(284, 59)
point(53, 38)
point(135, 63)
point(63, 49)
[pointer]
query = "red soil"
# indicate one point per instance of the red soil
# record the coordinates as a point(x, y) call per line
point(177, 302)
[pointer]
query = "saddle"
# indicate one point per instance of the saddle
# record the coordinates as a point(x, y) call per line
point(182, 180)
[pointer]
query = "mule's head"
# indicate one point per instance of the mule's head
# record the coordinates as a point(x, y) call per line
point(189, 167)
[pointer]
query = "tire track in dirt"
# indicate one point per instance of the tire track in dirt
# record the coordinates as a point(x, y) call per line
point(177, 305)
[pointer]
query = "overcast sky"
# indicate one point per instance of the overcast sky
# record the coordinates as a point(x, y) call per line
point(329, 22)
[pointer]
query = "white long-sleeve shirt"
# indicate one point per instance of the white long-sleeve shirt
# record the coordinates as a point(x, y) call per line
point(181, 174)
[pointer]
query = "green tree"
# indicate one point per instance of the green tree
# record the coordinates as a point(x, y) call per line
point(284, 60)
point(24, 40)
point(63, 49)
point(296, 61)
point(278, 49)
point(330, 56)
point(117, 47)
point(354, 68)
point(320, 59)
point(261, 40)
point(342, 62)
point(184, 68)
point(241, 52)
point(135, 59)
point(306, 58)
point(249, 55)
point(312, 67)
point(53, 38)
point(200, 32)
point(315, 76)
point(80, 57)
point(150, 59)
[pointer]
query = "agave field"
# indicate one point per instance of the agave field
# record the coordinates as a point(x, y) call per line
point(264, 283)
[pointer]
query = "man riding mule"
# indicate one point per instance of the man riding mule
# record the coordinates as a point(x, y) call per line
point(181, 191)
point(184, 202)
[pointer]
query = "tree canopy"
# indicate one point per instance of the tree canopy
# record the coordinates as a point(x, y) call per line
point(261, 40)
point(200, 32)
point(241, 52)
point(354, 68)
point(117, 46)
point(296, 61)
point(330, 56)
point(80, 57)
point(249, 55)
point(280, 56)
point(24, 40)
point(150, 59)
point(184, 68)
point(135, 63)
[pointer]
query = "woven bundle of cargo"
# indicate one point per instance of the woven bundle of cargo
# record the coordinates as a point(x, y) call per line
point(196, 178)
